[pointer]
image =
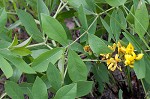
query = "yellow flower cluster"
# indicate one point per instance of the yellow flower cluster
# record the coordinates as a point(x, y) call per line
point(121, 54)
point(130, 56)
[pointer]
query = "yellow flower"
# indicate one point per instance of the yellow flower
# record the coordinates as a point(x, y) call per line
point(125, 54)
point(121, 49)
point(116, 58)
point(105, 56)
point(139, 56)
point(112, 63)
point(112, 47)
point(114, 67)
point(129, 57)
point(127, 62)
point(131, 66)
point(87, 48)
point(129, 48)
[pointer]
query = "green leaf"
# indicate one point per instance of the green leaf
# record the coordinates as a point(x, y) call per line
point(67, 92)
point(92, 29)
point(39, 89)
point(132, 40)
point(97, 45)
point(5, 34)
point(6, 67)
point(54, 29)
point(3, 18)
point(91, 4)
point(82, 18)
point(14, 42)
point(76, 46)
point(115, 27)
point(140, 68)
point(76, 4)
point(141, 23)
point(101, 73)
point(120, 94)
point(32, 3)
point(17, 61)
point(115, 3)
point(13, 90)
point(99, 78)
point(42, 8)
point(130, 17)
point(24, 43)
point(21, 51)
point(4, 44)
point(36, 53)
point(76, 68)
point(54, 76)
point(107, 27)
point(122, 19)
point(147, 63)
point(26, 88)
point(46, 81)
point(83, 88)
point(16, 75)
point(40, 64)
point(28, 22)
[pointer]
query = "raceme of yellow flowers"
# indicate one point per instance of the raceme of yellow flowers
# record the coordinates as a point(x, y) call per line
point(120, 54)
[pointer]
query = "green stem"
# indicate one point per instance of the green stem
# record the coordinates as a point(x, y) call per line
point(14, 4)
point(86, 31)
point(129, 79)
point(34, 45)
point(57, 11)
point(93, 60)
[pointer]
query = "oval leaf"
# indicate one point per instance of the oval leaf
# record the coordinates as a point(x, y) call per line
point(18, 62)
point(76, 68)
point(141, 23)
point(67, 92)
point(77, 3)
point(39, 89)
point(140, 68)
point(115, 3)
point(3, 18)
point(54, 29)
point(6, 67)
point(54, 76)
point(28, 22)
point(13, 90)
point(42, 8)
point(83, 88)
point(97, 45)
point(40, 64)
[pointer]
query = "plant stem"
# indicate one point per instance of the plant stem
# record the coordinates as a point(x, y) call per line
point(66, 71)
point(3, 95)
point(86, 31)
point(58, 10)
point(129, 79)
point(75, 20)
point(90, 60)
point(34, 45)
